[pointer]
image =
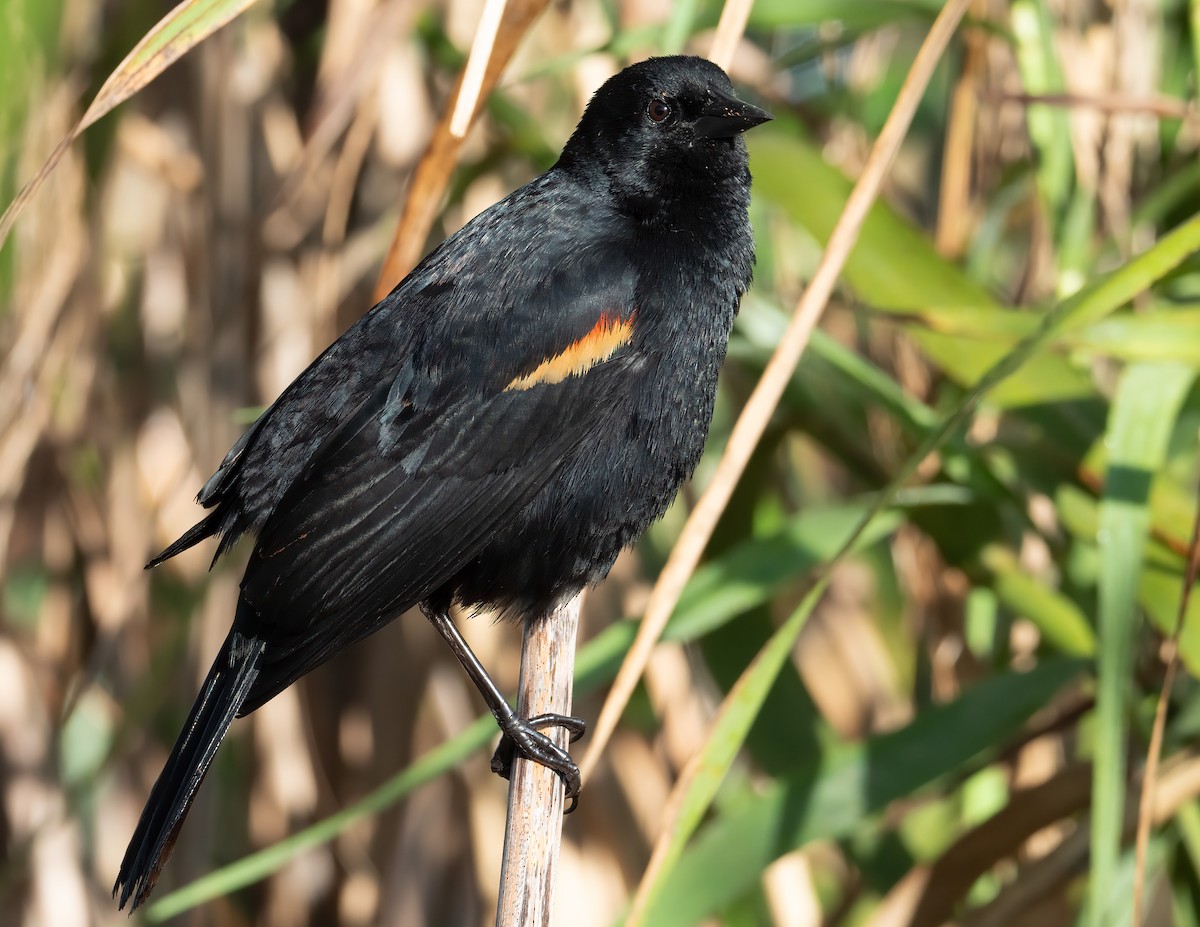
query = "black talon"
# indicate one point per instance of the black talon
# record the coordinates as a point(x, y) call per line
point(574, 726)
point(518, 734)
point(525, 738)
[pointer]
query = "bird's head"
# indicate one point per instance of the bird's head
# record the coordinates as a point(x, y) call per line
point(662, 130)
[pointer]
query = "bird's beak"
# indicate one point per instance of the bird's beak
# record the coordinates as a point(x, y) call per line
point(725, 116)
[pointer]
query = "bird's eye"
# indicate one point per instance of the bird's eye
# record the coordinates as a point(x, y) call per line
point(658, 110)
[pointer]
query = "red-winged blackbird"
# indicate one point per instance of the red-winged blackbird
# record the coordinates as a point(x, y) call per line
point(518, 410)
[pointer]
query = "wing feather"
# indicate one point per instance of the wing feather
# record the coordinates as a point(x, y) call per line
point(367, 536)
point(475, 310)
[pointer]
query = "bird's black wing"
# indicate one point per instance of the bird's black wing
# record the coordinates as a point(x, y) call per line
point(274, 451)
point(523, 277)
point(481, 414)
point(384, 521)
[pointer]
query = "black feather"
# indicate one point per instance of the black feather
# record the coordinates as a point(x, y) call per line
point(225, 688)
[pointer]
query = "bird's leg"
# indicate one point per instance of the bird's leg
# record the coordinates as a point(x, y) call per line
point(520, 735)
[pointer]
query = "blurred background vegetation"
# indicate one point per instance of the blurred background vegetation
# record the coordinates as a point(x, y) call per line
point(962, 732)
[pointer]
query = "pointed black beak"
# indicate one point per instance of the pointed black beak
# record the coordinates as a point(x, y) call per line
point(725, 116)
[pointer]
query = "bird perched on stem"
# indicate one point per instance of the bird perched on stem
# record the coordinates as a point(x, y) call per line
point(514, 413)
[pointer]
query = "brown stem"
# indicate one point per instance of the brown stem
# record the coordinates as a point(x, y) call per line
point(535, 796)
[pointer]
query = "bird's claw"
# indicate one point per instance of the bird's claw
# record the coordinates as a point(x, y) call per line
point(523, 737)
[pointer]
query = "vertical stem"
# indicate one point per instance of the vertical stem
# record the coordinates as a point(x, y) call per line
point(535, 795)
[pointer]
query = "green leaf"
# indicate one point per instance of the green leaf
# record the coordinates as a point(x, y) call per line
point(1161, 581)
point(1156, 334)
point(1143, 414)
point(725, 739)
point(1163, 333)
point(188, 24)
point(751, 572)
point(1060, 621)
point(173, 36)
point(894, 268)
point(738, 710)
point(854, 14)
point(1049, 127)
point(843, 787)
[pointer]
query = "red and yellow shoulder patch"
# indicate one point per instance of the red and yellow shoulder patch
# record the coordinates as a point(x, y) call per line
point(597, 346)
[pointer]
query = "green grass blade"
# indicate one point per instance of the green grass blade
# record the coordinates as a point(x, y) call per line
point(1162, 333)
point(1069, 207)
point(725, 739)
point(173, 36)
point(835, 792)
point(1049, 128)
point(1059, 620)
point(1143, 414)
point(852, 14)
point(256, 866)
point(739, 709)
point(679, 26)
point(894, 268)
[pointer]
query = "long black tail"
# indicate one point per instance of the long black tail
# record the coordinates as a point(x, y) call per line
point(228, 683)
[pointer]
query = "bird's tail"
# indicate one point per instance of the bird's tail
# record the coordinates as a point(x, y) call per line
point(225, 689)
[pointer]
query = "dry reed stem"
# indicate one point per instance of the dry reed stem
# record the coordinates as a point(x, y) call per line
point(730, 28)
point(472, 78)
point(347, 167)
point(1160, 107)
point(751, 424)
point(432, 175)
point(152, 55)
point(535, 797)
point(954, 198)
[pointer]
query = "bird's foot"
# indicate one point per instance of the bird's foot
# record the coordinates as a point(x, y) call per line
point(523, 737)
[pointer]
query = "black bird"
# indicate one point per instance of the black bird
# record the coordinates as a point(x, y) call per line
point(492, 434)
